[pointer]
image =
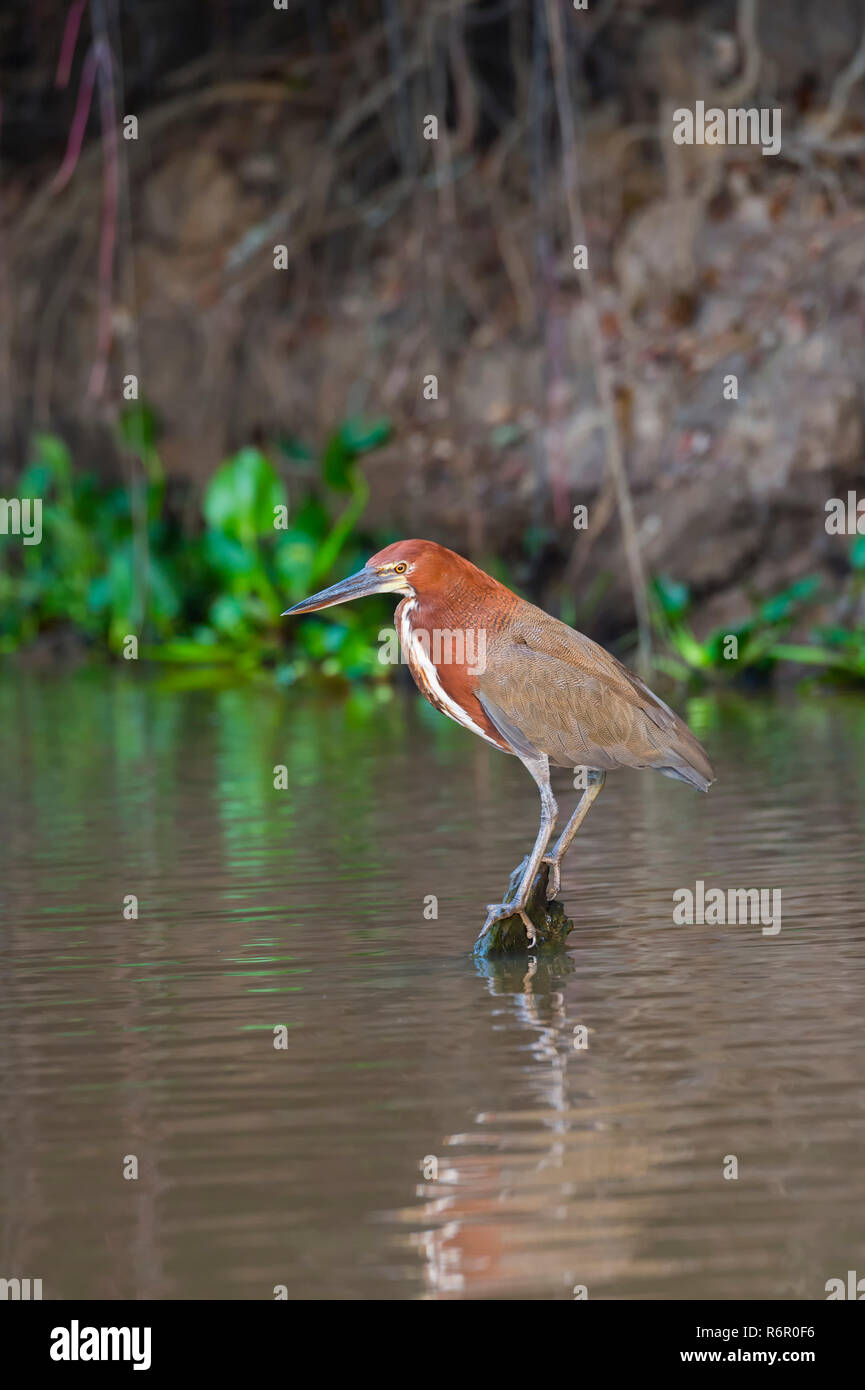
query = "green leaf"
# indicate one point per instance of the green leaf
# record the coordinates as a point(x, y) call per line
point(814, 656)
point(311, 519)
point(535, 538)
point(673, 597)
point(295, 449)
point(138, 429)
point(242, 495)
point(503, 436)
point(49, 466)
point(52, 454)
point(163, 599)
point(342, 527)
point(228, 614)
point(337, 464)
point(294, 561)
point(782, 605)
point(354, 437)
point(671, 667)
point(359, 436)
point(183, 650)
point(689, 647)
point(227, 556)
point(836, 636)
point(120, 581)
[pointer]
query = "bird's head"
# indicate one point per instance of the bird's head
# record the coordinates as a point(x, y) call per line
point(406, 567)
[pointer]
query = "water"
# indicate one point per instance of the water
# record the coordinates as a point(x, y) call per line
point(314, 1166)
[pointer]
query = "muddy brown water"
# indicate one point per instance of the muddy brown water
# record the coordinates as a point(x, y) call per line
point(429, 1130)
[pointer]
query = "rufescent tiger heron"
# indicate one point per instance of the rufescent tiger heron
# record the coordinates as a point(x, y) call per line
point(524, 682)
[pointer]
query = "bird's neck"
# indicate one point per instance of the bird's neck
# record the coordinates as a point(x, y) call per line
point(473, 606)
point(445, 640)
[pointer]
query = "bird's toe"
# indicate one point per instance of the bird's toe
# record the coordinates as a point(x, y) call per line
point(497, 912)
point(531, 934)
point(554, 881)
point(494, 914)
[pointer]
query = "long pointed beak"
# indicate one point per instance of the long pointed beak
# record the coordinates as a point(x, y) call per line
point(358, 585)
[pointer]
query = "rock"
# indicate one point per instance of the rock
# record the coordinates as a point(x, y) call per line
point(551, 923)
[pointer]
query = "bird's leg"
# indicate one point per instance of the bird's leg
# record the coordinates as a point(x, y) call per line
point(496, 912)
point(595, 783)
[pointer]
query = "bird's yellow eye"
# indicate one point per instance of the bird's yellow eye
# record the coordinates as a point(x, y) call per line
point(400, 568)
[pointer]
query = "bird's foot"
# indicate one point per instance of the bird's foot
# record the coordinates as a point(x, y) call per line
point(497, 912)
point(554, 882)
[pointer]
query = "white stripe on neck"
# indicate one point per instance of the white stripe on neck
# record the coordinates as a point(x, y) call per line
point(417, 654)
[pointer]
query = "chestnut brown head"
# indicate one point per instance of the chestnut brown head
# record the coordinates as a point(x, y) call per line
point(406, 568)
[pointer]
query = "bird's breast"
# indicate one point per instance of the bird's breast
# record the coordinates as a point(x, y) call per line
point(444, 662)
